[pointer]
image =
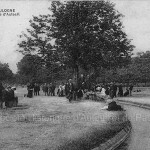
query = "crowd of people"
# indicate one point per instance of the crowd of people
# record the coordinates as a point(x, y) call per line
point(34, 89)
point(75, 91)
point(70, 89)
point(114, 90)
point(49, 89)
point(8, 96)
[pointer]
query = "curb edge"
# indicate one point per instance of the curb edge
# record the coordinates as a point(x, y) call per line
point(134, 104)
point(117, 140)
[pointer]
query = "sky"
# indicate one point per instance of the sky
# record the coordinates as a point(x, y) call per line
point(136, 23)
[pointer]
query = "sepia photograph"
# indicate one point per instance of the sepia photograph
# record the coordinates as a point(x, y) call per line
point(74, 75)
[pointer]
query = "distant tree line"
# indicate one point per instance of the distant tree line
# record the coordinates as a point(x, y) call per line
point(31, 69)
point(137, 71)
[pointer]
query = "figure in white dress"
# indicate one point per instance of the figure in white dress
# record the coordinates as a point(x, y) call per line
point(103, 91)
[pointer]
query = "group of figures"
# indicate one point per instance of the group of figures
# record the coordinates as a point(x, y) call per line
point(76, 91)
point(114, 90)
point(8, 96)
point(71, 90)
point(49, 89)
point(33, 88)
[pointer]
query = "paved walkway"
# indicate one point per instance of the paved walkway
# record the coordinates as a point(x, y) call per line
point(141, 97)
point(140, 120)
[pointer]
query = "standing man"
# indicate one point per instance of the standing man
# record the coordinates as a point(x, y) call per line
point(46, 89)
point(71, 90)
point(66, 89)
point(120, 93)
point(30, 88)
point(111, 90)
point(35, 89)
point(50, 89)
point(60, 90)
point(38, 89)
point(115, 89)
point(130, 90)
point(53, 89)
point(107, 90)
point(15, 101)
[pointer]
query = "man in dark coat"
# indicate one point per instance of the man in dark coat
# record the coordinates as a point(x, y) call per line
point(53, 89)
point(15, 100)
point(79, 94)
point(130, 89)
point(46, 89)
point(115, 90)
point(30, 87)
point(66, 89)
point(106, 89)
point(38, 89)
point(71, 90)
point(111, 90)
point(120, 92)
point(35, 89)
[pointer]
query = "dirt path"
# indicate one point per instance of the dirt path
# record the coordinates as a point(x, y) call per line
point(42, 121)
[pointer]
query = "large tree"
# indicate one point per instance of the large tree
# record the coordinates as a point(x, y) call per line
point(89, 34)
point(86, 34)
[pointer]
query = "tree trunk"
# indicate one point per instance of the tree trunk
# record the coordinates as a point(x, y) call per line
point(76, 72)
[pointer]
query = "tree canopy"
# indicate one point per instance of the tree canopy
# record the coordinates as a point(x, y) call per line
point(5, 72)
point(89, 34)
point(78, 34)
